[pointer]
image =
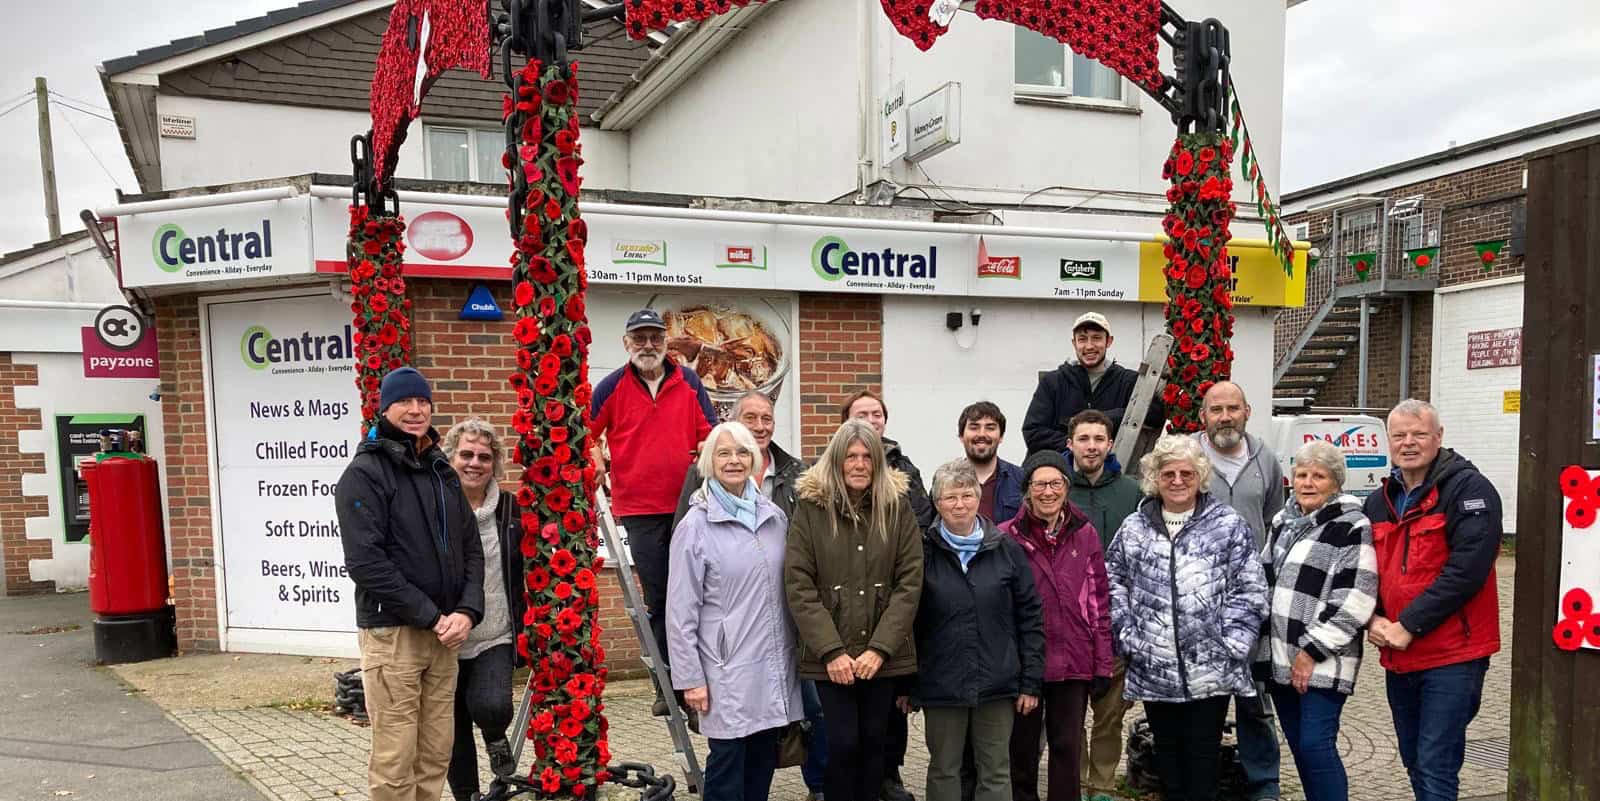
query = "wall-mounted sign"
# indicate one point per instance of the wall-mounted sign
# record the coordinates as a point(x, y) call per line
point(1511, 401)
point(176, 126)
point(1258, 277)
point(287, 421)
point(1501, 347)
point(439, 235)
point(935, 120)
point(480, 305)
point(992, 266)
point(893, 122)
point(142, 360)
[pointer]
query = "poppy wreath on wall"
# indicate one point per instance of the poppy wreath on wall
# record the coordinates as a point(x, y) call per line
point(1199, 278)
point(1121, 34)
point(382, 313)
point(561, 635)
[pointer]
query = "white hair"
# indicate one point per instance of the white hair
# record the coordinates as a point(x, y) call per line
point(1168, 449)
point(955, 474)
point(1420, 409)
point(1323, 454)
point(742, 438)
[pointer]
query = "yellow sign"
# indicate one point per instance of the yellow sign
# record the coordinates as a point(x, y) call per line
point(1258, 278)
point(1512, 403)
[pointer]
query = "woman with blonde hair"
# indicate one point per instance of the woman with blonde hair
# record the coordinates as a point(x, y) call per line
point(853, 576)
point(486, 659)
point(1187, 600)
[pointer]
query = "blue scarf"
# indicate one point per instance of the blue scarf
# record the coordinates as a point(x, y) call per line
point(966, 546)
point(743, 508)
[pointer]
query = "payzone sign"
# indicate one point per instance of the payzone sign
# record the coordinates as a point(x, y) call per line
point(1362, 445)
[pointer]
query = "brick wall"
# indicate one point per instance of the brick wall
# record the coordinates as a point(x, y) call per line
point(16, 508)
point(841, 352)
point(183, 414)
point(1476, 205)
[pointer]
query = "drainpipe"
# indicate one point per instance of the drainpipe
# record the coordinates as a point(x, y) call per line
point(1361, 374)
point(1405, 347)
point(865, 166)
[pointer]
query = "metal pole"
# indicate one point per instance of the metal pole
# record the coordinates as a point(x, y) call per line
point(1361, 374)
point(1405, 348)
point(47, 157)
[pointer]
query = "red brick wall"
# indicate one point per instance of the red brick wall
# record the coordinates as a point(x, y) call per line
point(1476, 205)
point(839, 349)
point(183, 414)
point(841, 353)
point(16, 508)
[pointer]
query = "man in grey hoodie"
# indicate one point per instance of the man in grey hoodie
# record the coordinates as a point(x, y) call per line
point(1246, 476)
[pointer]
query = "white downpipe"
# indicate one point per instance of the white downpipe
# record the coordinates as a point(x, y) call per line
point(865, 162)
point(200, 201)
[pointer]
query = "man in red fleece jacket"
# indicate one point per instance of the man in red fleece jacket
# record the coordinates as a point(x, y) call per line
point(653, 414)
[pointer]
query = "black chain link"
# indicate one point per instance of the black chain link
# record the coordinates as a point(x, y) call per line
point(641, 776)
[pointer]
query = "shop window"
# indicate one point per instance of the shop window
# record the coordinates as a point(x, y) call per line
point(465, 154)
point(1045, 67)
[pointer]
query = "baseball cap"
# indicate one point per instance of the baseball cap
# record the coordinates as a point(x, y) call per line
point(1095, 319)
point(644, 318)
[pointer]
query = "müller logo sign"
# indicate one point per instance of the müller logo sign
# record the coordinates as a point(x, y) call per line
point(440, 235)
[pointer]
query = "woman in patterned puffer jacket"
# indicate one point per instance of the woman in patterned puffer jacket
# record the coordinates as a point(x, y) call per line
point(1187, 600)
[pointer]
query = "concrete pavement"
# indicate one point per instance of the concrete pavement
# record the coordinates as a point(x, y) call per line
point(72, 730)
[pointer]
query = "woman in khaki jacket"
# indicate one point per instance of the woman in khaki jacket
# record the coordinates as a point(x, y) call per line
point(853, 574)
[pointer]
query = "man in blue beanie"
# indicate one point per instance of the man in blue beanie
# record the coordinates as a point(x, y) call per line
point(412, 548)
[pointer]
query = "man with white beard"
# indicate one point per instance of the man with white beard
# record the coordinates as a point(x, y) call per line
point(1246, 476)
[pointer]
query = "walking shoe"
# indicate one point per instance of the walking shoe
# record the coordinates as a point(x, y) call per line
point(659, 708)
point(500, 762)
point(894, 790)
point(815, 795)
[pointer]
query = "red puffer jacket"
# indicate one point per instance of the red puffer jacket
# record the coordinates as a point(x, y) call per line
point(1436, 564)
point(1074, 593)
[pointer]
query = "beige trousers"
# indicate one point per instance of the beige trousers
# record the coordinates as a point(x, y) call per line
point(1103, 748)
point(409, 678)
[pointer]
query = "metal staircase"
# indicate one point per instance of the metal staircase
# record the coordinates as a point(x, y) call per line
point(1333, 329)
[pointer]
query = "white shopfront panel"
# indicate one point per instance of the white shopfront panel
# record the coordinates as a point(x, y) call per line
point(1472, 402)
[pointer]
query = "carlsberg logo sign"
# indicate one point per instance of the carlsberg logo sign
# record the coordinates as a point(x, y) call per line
point(172, 248)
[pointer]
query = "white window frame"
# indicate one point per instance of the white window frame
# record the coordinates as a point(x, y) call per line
point(1065, 93)
point(472, 132)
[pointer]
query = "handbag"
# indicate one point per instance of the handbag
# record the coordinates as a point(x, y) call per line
point(794, 744)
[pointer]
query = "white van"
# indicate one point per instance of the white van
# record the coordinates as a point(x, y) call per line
point(1363, 439)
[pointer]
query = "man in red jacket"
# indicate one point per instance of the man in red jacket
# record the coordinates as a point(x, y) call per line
point(1437, 526)
point(654, 414)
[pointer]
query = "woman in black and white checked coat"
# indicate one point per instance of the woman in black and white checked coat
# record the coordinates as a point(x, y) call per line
point(1323, 584)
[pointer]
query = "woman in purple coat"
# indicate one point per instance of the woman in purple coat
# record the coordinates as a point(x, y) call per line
point(1070, 575)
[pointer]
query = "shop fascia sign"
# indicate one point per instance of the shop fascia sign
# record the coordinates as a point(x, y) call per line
point(471, 242)
point(210, 244)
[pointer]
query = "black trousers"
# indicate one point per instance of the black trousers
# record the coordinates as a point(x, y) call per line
point(1060, 717)
point(649, 540)
point(858, 727)
point(1188, 744)
point(483, 697)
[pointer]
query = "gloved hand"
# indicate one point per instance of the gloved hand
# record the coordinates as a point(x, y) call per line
point(1099, 686)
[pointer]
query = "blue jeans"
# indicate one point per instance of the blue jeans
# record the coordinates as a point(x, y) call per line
point(1311, 727)
point(1431, 711)
point(816, 764)
point(1258, 745)
point(741, 769)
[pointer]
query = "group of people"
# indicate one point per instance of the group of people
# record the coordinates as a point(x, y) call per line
point(1009, 604)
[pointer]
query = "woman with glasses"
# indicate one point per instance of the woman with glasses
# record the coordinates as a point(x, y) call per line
point(1069, 574)
point(1187, 600)
point(486, 659)
point(980, 642)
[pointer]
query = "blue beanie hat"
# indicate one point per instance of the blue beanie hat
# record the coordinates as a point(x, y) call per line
point(402, 383)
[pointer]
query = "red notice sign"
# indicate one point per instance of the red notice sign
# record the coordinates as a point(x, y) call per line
point(101, 361)
point(1499, 348)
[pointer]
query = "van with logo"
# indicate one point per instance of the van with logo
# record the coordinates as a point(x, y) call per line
point(1362, 438)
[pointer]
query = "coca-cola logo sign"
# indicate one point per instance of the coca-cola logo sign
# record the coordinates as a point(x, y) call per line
point(439, 235)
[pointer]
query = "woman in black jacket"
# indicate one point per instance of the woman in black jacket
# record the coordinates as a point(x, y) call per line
point(980, 640)
point(486, 659)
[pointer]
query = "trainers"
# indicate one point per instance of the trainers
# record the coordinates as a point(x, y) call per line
point(500, 762)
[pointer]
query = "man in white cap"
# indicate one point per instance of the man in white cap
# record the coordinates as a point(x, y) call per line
point(1093, 382)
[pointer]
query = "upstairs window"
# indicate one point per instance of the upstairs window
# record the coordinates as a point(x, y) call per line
point(465, 154)
point(1048, 68)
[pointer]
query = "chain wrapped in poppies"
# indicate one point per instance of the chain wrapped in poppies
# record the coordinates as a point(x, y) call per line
point(1199, 278)
point(381, 329)
point(561, 637)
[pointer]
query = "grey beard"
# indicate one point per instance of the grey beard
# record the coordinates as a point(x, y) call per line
point(1227, 438)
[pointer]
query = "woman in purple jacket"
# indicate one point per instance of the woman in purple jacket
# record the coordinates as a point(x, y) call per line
point(1070, 574)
